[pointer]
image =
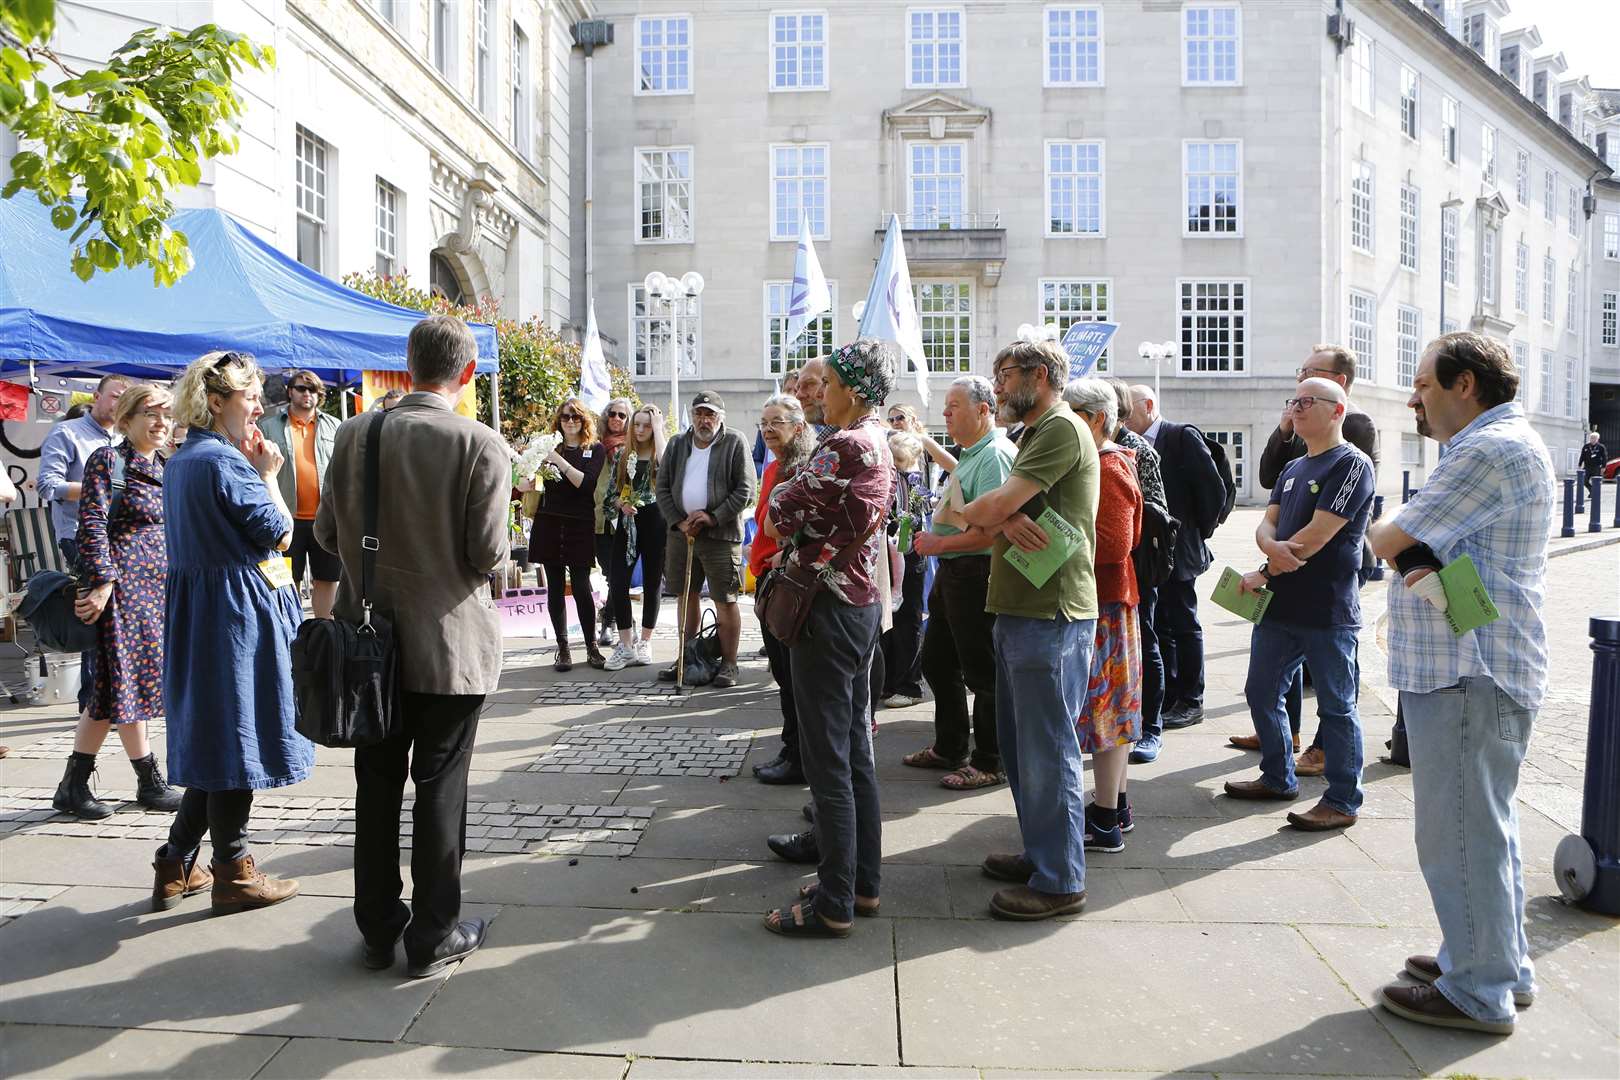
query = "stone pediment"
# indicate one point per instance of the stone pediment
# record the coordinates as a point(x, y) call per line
point(1493, 209)
point(939, 114)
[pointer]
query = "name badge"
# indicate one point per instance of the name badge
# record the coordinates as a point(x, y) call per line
point(277, 571)
point(586, 454)
point(1288, 485)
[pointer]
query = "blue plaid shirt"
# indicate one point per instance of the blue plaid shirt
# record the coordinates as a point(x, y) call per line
point(1490, 498)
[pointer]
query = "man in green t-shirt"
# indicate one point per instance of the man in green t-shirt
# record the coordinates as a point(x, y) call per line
point(1043, 633)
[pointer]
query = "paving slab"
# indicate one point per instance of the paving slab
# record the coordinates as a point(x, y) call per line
point(301, 1058)
point(671, 985)
point(714, 833)
point(648, 1068)
point(1132, 895)
point(49, 1050)
point(947, 839)
point(520, 786)
point(1558, 1036)
point(1391, 843)
point(96, 954)
point(591, 882)
point(321, 871)
point(1391, 897)
point(711, 792)
point(1263, 840)
point(1265, 896)
point(1209, 1014)
point(908, 891)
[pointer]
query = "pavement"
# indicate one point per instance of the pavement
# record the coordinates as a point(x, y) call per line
point(617, 840)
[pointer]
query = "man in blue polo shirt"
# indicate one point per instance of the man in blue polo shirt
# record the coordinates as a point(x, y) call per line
point(1311, 537)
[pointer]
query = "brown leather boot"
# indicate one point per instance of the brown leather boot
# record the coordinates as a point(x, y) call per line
point(177, 879)
point(240, 885)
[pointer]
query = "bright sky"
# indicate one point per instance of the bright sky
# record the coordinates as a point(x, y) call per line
point(1587, 32)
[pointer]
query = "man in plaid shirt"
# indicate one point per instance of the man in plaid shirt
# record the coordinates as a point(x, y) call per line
point(1470, 699)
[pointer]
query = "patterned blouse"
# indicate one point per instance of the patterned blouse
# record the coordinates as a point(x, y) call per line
point(832, 500)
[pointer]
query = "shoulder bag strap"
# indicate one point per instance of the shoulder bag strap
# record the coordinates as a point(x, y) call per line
point(368, 537)
point(851, 550)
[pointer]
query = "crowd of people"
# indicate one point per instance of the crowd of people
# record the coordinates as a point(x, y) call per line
point(1043, 560)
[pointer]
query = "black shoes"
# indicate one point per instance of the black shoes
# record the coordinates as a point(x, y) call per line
point(1183, 716)
point(565, 659)
point(378, 957)
point(73, 793)
point(809, 812)
point(780, 771)
point(459, 944)
point(796, 847)
point(151, 790)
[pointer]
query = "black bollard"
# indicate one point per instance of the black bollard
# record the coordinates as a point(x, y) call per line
point(1569, 507)
point(1406, 486)
point(1600, 805)
point(1595, 524)
point(1580, 491)
point(1378, 564)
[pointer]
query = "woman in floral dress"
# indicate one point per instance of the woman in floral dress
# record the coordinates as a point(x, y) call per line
point(123, 563)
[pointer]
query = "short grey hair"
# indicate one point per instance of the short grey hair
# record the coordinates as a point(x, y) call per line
point(799, 447)
point(1127, 400)
point(439, 347)
point(1091, 395)
point(978, 389)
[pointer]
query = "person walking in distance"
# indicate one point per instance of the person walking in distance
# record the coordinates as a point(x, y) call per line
point(304, 435)
point(441, 531)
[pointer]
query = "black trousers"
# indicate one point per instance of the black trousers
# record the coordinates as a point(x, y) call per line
point(651, 535)
point(435, 746)
point(958, 655)
point(902, 644)
point(557, 603)
point(1181, 641)
point(222, 815)
point(1152, 663)
point(776, 654)
point(87, 659)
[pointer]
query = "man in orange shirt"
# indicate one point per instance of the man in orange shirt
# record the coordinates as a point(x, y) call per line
point(305, 435)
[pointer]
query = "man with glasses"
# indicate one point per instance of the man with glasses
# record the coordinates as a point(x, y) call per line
point(306, 435)
point(1311, 536)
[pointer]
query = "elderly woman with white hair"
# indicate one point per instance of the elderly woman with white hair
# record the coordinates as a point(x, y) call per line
point(1111, 720)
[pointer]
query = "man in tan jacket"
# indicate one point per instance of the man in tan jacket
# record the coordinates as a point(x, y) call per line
point(445, 482)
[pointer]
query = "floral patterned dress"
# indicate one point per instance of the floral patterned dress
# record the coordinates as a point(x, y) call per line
point(127, 550)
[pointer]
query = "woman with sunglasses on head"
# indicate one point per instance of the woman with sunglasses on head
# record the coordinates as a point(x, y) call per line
point(231, 616)
point(615, 427)
point(628, 487)
point(564, 537)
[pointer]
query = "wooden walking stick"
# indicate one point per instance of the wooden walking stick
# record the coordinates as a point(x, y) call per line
point(680, 620)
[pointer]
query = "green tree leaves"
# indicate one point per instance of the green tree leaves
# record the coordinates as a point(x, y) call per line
point(123, 137)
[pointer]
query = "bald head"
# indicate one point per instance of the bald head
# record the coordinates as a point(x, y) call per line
point(811, 386)
point(1321, 422)
point(1144, 409)
point(1323, 388)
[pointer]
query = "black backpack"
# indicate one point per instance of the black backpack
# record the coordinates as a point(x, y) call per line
point(1155, 554)
point(1223, 465)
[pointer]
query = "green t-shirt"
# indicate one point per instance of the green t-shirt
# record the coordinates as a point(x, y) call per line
point(1059, 455)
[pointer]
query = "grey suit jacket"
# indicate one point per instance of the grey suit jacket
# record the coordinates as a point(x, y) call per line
point(446, 483)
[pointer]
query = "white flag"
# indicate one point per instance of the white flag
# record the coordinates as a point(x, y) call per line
point(809, 295)
point(891, 310)
point(595, 389)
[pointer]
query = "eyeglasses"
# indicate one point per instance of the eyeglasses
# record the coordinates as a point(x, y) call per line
point(1300, 404)
point(1314, 372)
point(1004, 370)
point(776, 423)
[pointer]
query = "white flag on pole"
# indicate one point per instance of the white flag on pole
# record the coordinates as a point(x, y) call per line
point(809, 295)
point(891, 310)
point(595, 389)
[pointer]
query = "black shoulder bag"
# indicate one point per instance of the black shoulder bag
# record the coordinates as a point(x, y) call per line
point(346, 675)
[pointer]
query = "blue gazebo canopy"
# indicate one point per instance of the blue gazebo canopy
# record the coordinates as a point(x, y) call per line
point(241, 294)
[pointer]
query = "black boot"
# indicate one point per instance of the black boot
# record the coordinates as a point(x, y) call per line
point(73, 793)
point(151, 790)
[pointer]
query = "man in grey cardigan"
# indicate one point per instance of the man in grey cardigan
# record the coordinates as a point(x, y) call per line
point(704, 484)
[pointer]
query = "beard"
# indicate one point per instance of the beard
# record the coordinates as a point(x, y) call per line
point(814, 413)
point(1016, 406)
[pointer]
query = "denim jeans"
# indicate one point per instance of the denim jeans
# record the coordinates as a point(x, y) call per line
point(1276, 650)
point(1467, 743)
point(832, 666)
point(1042, 668)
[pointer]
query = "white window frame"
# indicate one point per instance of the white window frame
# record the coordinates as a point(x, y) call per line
point(1411, 450)
point(1411, 104)
point(1361, 331)
point(1236, 443)
point(1363, 207)
point(1549, 275)
point(442, 38)
point(1521, 362)
point(1450, 130)
point(1521, 278)
point(1361, 64)
point(1408, 344)
point(963, 358)
point(691, 195)
point(522, 97)
point(1101, 177)
point(1572, 387)
point(1073, 42)
point(1487, 155)
point(312, 188)
point(1549, 192)
point(1521, 184)
point(911, 182)
point(1609, 320)
point(690, 48)
point(1411, 231)
point(1237, 295)
point(1236, 232)
point(1571, 305)
point(396, 13)
point(1611, 235)
point(688, 321)
point(1489, 242)
point(1574, 210)
point(485, 39)
point(388, 221)
point(1450, 228)
point(912, 83)
point(776, 322)
point(1096, 304)
point(800, 180)
point(1545, 402)
point(799, 48)
point(1210, 40)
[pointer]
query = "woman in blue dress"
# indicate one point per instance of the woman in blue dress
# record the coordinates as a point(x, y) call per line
point(232, 615)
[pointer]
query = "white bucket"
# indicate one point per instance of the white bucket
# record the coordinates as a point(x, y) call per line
point(60, 683)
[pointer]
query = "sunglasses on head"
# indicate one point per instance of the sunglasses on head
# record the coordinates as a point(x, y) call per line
point(233, 358)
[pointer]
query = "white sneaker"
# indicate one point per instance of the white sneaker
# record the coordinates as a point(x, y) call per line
point(622, 655)
point(643, 652)
point(900, 701)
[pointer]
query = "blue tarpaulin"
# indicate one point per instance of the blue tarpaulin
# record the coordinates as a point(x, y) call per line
point(241, 294)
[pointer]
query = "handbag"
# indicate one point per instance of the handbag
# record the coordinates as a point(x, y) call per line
point(48, 606)
point(345, 674)
point(784, 604)
point(702, 654)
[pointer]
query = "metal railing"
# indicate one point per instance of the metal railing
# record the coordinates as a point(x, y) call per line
point(944, 220)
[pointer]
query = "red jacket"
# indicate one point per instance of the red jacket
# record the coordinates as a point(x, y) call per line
point(1119, 528)
point(763, 546)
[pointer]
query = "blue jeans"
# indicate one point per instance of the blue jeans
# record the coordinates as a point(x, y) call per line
point(1042, 667)
point(1276, 650)
point(1467, 743)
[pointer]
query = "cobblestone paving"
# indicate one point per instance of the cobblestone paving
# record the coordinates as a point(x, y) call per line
point(611, 693)
point(60, 745)
point(552, 828)
point(17, 900)
point(648, 750)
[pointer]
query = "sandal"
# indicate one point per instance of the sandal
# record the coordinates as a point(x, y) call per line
point(927, 759)
point(967, 778)
point(795, 921)
point(807, 893)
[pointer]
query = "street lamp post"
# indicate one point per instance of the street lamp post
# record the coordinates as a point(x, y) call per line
point(1158, 353)
point(669, 291)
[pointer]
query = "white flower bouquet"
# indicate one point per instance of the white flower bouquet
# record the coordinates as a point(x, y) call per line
point(531, 462)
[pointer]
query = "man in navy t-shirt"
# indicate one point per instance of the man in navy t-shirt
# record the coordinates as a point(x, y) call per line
point(1311, 538)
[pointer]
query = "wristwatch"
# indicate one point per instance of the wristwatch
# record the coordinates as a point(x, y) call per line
point(1265, 570)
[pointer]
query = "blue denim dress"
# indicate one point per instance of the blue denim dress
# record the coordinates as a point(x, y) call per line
point(228, 639)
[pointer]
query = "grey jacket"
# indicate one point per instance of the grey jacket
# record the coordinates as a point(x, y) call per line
point(731, 482)
point(445, 483)
point(275, 427)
